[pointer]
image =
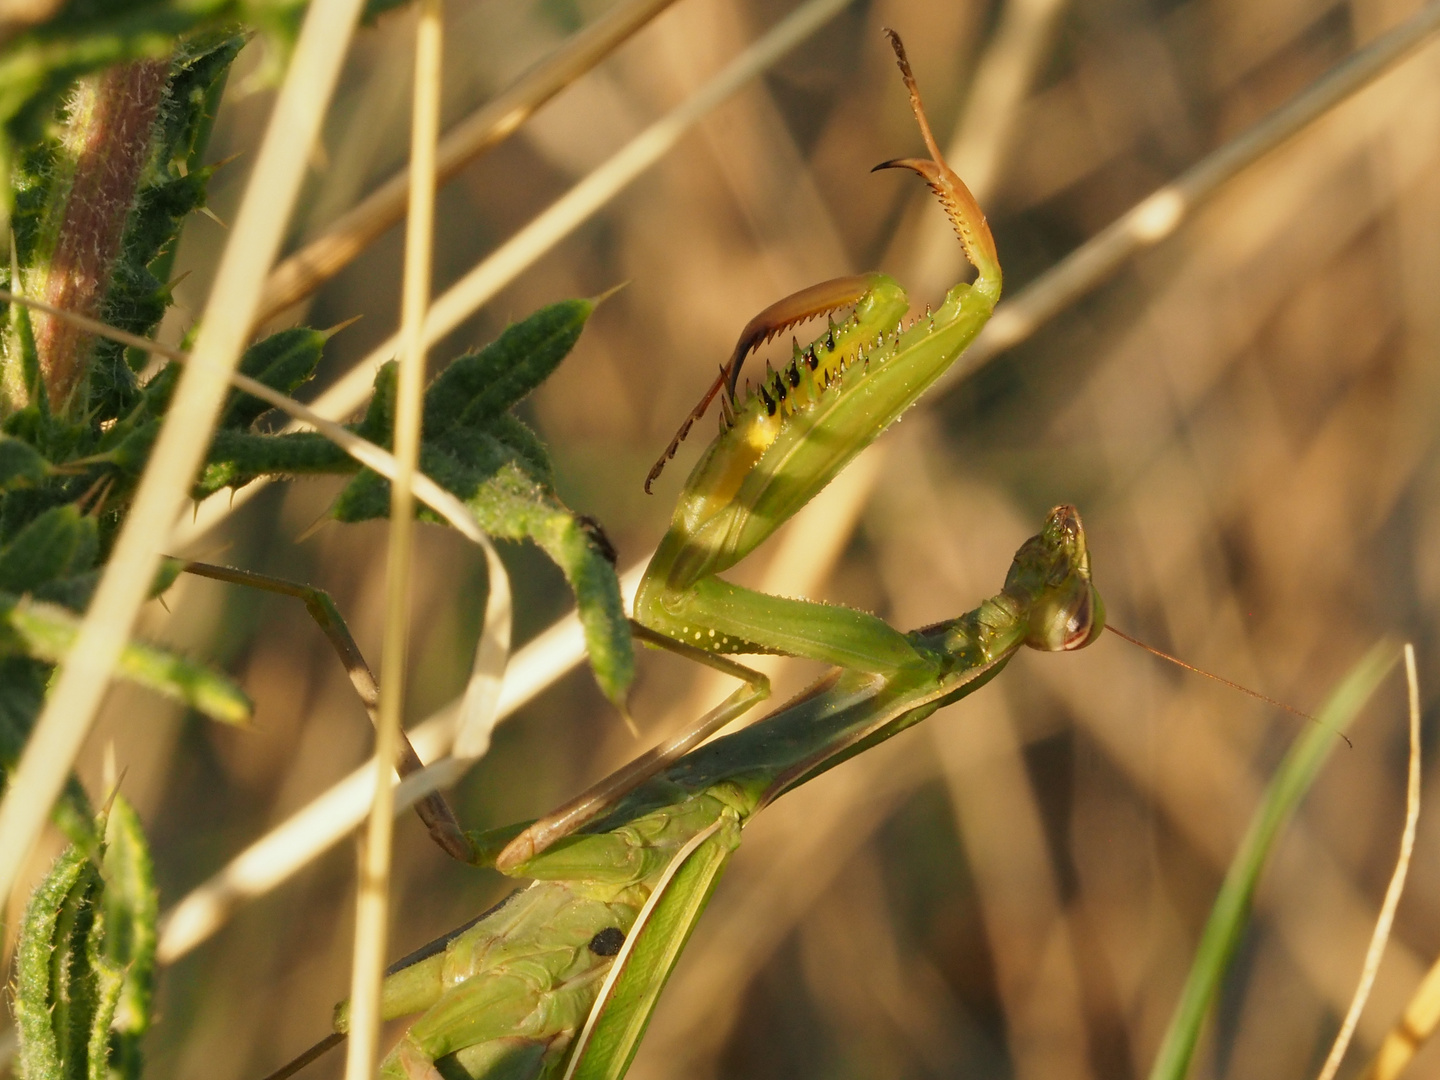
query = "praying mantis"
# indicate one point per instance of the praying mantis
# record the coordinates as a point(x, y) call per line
point(561, 978)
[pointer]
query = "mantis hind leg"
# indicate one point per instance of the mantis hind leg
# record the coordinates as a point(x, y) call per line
point(434, 811)
point(598, 798)
point(408, 1062)
point(324, 1046)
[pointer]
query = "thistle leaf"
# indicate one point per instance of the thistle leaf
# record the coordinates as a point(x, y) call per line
point(479, 387)
point(86, 957)
point(46, 632)
point(475, 449)
point(283, 362)
point(59, 543)
point(21, 465)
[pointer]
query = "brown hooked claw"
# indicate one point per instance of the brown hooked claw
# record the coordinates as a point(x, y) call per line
point(964, 212)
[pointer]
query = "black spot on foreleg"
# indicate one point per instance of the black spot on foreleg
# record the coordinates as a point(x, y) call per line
point(608, 941)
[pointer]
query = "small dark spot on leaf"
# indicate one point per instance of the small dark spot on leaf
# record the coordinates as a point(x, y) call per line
point(596, 533)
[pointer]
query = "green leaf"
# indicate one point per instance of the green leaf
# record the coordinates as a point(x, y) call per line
point(236, 458)
point(131, 911)
point(21, 465)
point(24, 356)
point(22, 692)
point(283, 362)
point(511, 503)
point(54, 984)
point(475, 449)
point(1231, 910)
point(85, 960)
point(59, 543)
point(379, 423)
point(46, 632)
point(481, 386)
point(75, 592)
point(525, 445)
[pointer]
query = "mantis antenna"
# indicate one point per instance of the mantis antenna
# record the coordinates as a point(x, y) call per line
point(1221, 679)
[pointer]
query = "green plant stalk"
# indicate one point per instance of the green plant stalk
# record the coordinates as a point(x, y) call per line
point(1232, 904)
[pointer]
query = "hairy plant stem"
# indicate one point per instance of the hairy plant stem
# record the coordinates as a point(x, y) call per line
point(106, 147)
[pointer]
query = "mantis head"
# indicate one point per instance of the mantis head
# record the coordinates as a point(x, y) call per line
point(1051, 577)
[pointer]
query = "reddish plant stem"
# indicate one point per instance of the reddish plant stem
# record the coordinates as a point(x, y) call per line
point(108, 141)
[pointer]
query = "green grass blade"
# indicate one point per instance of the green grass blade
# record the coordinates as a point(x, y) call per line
point(1232, 905)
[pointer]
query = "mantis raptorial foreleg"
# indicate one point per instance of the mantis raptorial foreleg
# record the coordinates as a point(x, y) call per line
point(788, 437)
point(798, 307)
point(434, 811)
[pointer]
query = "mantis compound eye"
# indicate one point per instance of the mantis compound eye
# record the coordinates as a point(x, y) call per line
point(1067, 622)
point(1085, 621)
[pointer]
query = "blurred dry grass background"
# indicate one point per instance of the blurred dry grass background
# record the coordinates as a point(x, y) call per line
point(1244, 416)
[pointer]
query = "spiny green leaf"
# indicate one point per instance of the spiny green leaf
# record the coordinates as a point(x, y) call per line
point(129, 444)
point(131, 911)
point(198, 70)
point(86, 958)
point(474, 448)
point(379, 423)
point(511, 503)
point(21, 371)
point(75, 592)
point(22, 692)
point(282, 361)
point(21, 465)
point(59, 543)
point(480, 386)
point(517, 437)
point(46, 632)
point(109, 981)
point(237, 457)
point(54, 984)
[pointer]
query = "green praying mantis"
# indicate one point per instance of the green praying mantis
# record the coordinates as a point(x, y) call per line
point(560, 979)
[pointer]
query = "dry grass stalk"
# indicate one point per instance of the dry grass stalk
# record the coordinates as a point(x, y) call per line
point(322, 258)
point(1386, 919)
point(372, 909)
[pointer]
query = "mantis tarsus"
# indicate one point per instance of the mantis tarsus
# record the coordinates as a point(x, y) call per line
point(564, 975)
